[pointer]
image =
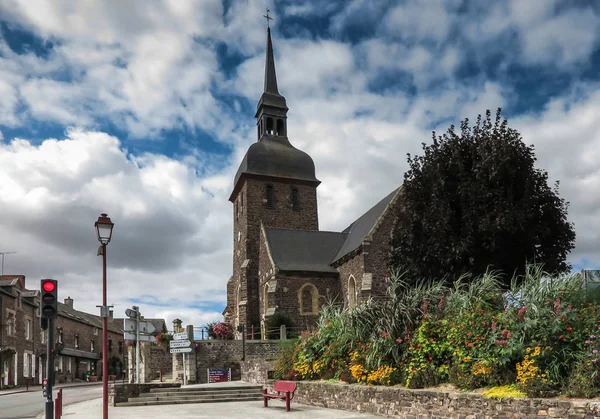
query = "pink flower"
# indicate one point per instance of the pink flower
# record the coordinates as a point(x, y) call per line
point(399, 340)
point(493, 325)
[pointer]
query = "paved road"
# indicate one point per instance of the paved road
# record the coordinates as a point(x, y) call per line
point(30, 404)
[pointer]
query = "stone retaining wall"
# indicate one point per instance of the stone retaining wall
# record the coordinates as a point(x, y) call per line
point(118, 393)
point(222, 354)
point(417, 404)
point(257, 371)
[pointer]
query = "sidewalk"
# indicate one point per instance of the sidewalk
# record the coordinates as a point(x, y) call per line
point(38, 387)
point(92, 409)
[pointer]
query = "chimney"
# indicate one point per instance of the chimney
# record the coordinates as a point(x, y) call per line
point(176, 325)
point(69, 302)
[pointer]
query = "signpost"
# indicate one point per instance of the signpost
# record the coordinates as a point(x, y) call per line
point(180, 343)
point(218, 376)
point(180, 350)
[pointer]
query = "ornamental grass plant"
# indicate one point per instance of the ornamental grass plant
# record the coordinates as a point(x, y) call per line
point(472, 334)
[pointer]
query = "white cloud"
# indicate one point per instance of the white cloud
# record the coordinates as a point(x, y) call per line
point(171, 227)
point(156, 67)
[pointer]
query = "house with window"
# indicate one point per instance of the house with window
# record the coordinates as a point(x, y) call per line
point(20, 338)
point(282, 263)
point(79, 344)
point(78, 339)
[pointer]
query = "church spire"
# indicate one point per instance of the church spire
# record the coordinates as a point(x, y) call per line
point(271, 112)
point(270, 76)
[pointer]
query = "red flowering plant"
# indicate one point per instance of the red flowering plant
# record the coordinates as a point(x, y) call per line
point(223, 330)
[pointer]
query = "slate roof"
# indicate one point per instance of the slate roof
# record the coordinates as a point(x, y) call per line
point(277, 157)
point(298, 250)
point(9, 282)
point(358, 230)
point(66, 311)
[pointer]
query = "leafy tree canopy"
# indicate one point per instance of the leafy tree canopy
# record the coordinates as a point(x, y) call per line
point(474, 200)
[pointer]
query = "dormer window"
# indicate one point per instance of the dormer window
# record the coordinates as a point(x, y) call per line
point(269, 196)
point(295, 198)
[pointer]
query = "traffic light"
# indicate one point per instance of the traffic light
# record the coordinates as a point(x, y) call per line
point(49, 300)
point(45, 387)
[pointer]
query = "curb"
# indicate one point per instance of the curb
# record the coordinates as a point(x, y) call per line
point(38, 387)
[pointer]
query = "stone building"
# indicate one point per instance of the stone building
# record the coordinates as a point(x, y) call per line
point(282, 262)
point(78, 338)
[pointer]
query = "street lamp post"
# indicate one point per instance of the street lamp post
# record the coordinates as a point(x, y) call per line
point(104, 230)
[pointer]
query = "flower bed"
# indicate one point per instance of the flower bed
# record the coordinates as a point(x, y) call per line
point(541, 335)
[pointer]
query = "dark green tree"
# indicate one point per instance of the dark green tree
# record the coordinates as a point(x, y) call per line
point(474, 200)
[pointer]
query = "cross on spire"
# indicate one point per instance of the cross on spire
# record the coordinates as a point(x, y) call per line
point(268, 18)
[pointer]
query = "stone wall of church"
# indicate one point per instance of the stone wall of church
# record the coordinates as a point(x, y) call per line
point(288, 294)
point(249, 209)
point(377, 251)
point(353, 267)
point(266, 271)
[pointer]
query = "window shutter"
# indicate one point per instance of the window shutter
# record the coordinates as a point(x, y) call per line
point(25, 365)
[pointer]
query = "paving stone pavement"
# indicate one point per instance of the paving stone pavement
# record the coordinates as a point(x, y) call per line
point(92, 409)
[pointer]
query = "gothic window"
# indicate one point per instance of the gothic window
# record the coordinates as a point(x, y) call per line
point(266, 298)
point(238, 301)
point(269, 125)
point(269, 195)
point(280, 127)
point(351, 292)
point(295, 199)
point(308, 299)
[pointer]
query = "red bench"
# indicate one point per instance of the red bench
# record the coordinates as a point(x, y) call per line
point(285, 391)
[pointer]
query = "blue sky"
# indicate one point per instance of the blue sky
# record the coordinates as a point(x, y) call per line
point(144, 110)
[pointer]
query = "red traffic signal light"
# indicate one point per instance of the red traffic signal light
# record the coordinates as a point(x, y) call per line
point(49, 299)
point(45, 382)
point(48, 286)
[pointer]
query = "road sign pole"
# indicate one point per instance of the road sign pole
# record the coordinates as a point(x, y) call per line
point(50, 369)
point(137, 344)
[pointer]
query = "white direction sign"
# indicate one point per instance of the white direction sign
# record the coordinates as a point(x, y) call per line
point(143, 338)
point(145, 326)
point(180, 336)
point(180, 350)
point(179, 343)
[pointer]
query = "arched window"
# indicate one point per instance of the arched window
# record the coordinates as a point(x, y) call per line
point(280, 127)
point(295, 197)
point(351, 292)
point(308, 299)
point(269, 195)
point(266, 298)
point(269, 125)
point(238, 300)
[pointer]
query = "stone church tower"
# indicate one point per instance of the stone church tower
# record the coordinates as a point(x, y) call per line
point(275, 186)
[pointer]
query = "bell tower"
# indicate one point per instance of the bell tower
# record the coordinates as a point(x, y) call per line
point(275, 185)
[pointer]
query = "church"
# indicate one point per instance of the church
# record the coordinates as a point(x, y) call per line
point(282, 262)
